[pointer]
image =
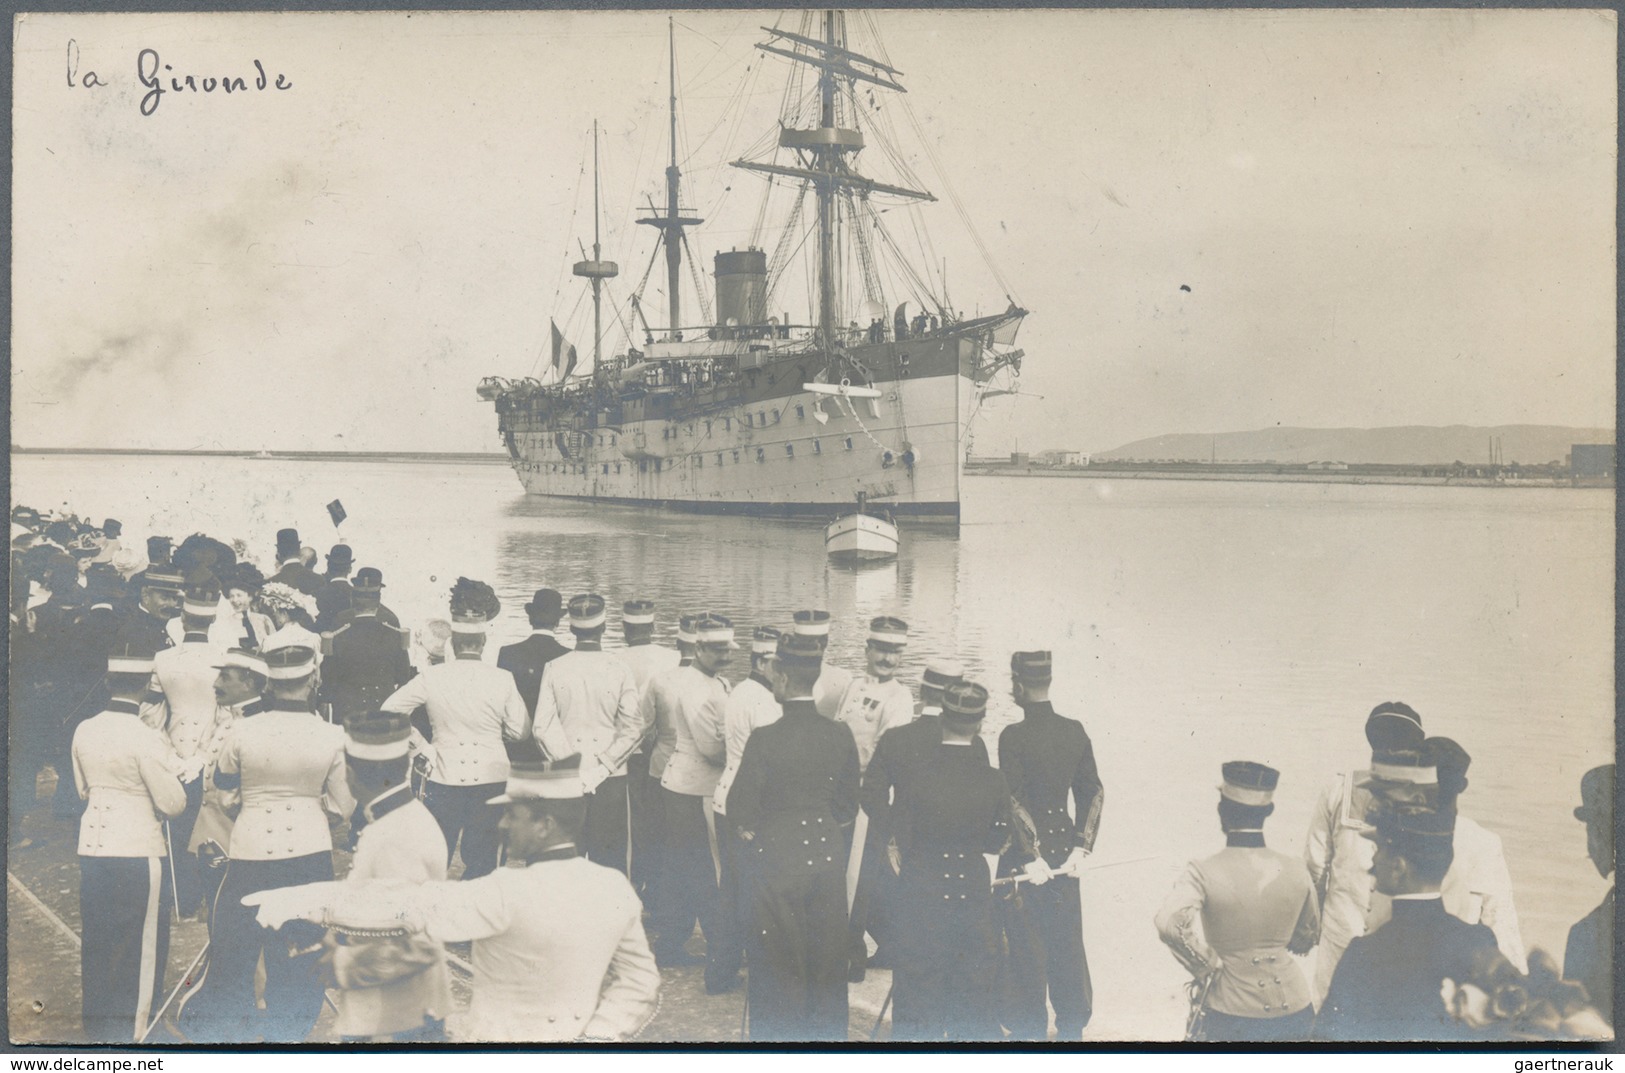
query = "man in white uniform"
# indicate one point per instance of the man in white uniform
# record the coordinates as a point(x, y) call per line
point(559, 950)
point(588, 706)
point(832, 681)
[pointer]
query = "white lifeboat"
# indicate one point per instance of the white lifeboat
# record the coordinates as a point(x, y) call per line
point(860, 537)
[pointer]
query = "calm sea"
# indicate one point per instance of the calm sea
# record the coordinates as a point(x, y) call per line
point(1191, 622)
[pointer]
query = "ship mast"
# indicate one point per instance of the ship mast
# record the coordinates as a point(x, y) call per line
point(596, 269)
point(823, 150)
point(672, 223)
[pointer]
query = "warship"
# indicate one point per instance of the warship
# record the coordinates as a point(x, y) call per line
point(751, 411)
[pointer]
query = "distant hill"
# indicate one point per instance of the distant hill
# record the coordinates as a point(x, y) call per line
point(1419, 444)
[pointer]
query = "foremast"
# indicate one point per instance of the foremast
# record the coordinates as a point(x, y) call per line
point(596, 269)
point(671, 225)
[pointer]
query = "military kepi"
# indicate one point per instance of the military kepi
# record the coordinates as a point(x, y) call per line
point(586, 611)
point(638, 613)
point(556, 781)
point(1247, 783)
point(888, 630)
point(377, 735)
point(812, 623)
point(714, 629)
point(1034, 667)
point(129, 659)
point(764, 640)
point(798, 649)
point(289, 662)
point(964, 702)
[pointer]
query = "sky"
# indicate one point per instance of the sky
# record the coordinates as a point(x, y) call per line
point(1219, 220)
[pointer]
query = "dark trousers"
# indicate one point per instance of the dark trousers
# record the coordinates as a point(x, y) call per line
point(873, 904)
point(124, 907)
point(798, 959)
point(725, 944)
point(947, 967)
point(222, 1008)
point(1225, 1028)
point(605, 838)
point(462, 810)
point(1043, 932)
point(651, 821)
point(432, 1030)
point(188, 883)
point(640, 815)
point(688, 882)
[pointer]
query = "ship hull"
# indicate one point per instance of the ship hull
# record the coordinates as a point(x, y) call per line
point(902, 450)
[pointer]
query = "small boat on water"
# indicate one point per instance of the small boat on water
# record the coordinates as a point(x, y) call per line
point(860, 537)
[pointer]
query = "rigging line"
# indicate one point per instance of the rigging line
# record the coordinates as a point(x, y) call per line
point(784, 254)
point(699, 286)
point(919, 284)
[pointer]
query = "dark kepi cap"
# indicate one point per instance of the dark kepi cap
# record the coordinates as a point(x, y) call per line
point(162, 577)
point(112, 527)
point(1394, 725)
point(764, 640)
point(1450, 761)
point(1414, 766)
point(799, 650)
point(888, 630)
point(289, 662)
point(586, 611)
point(964, 702)
point(1414, 832)
point(812, 623)
point(103, 583)
point(287, 544)
point(339, 557)
point(158, 548)
point(638, 613)
point(1596, 794)
point(377, 735)
point(368, 579)
point(1248, 783)
point(556, 781)
point(1034, 667)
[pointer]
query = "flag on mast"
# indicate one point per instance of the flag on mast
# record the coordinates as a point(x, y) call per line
point(564, 354)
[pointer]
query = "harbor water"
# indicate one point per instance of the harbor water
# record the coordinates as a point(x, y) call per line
point(1191, 622)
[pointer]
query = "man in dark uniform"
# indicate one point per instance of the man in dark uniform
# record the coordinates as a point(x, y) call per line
point(334, 597)
point(159, 550)
point(1589, 955)
point(1044, 757)
point(366, 598)
point(367, 658)
point(526, 659)
point(944, 820)
point(291, 569)
point(1387, 984)
point(796, 789)
point(159, 600)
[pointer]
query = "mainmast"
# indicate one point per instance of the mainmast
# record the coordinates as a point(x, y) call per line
point(823, 150)
point(596, 269)
point(672, 223)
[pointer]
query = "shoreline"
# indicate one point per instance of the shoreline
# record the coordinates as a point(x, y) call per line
point(1098, 473)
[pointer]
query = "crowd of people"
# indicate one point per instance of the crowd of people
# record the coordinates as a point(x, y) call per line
point(218, 734)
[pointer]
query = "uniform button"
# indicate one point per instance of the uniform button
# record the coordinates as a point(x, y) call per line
point(551, 1019)
point(961, 897)
point(1255, 961)
point(1261, 983)
point(1277, 979)
point(829, 858)
point(945, 897)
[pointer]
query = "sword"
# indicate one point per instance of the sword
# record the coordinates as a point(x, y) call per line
point(1198, 990)
point(1074, 872)
point(174, 888)
point(186, 978)
point(884, 1006)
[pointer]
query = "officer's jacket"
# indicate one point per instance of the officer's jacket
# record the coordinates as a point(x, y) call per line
point(657, 714)
point(559, 951)
point(289, 768)
point(1251, 901)
point(473, 706)
point(216, 816)
point(401, 843)
point(366, 663)
point(1339, 857)
point(699, 751)
point(871, 707)
point(143, 630)
point(1043, 757)
point(647, 661)
point(831, 686)
point(796, 788)
point(750, 706)
point(122, 768)
point(588, 704)
point(186, 675)
point(955, 810)
point(901, 760)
